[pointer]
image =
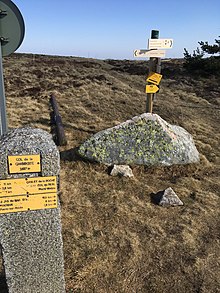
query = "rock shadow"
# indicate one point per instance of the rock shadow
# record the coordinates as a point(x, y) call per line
point(70, 155)
point(156, 197)
point(3, 284)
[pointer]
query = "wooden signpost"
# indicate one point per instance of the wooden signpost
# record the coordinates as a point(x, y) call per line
point(154, 76)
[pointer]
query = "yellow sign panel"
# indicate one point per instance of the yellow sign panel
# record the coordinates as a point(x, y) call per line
point(23, 203)
point(154, 78)
point(23, 194)
point(24, 164)
point(32, 185)
point(151, 89)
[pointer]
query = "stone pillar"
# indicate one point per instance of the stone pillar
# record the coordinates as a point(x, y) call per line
point(30, 223)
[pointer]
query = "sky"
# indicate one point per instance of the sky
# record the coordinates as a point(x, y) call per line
point(113, 29)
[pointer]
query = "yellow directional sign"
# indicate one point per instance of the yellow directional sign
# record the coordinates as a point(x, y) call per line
point(23, 194)
point(25, 203)
point(24, 164)
point(154, 78)
point(151, 89)
point(32, 185)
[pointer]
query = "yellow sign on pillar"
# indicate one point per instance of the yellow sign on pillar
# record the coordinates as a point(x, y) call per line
point(24, 164)
point(152, 89)
point(154, 78)
point(24, 194)
point(23, 203)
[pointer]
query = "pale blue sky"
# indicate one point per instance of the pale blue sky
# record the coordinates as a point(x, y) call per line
point(115, 28)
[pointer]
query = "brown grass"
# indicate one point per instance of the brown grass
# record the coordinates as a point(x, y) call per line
point(115, 238)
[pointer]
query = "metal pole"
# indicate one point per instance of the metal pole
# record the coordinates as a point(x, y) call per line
point(154, 66)
point(3, 116)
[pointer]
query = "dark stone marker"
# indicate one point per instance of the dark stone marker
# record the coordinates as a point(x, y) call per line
point(31, 241)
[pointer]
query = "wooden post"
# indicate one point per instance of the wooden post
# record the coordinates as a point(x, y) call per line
point(154, 66)
point(60, 134)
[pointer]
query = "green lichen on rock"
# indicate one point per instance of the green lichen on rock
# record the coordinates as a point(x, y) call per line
point(144, 140)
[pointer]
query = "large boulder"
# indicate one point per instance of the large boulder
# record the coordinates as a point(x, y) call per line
point(144, 140)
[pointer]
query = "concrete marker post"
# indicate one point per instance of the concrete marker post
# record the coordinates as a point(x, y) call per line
point(30, 216)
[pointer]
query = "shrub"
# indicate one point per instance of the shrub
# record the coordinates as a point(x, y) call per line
point(201, 64)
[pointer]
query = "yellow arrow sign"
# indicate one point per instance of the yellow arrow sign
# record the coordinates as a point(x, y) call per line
point(151, 89)
point(154, 77)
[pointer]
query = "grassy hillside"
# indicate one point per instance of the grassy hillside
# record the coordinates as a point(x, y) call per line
point(115, 238)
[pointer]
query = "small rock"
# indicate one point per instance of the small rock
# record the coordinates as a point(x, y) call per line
point(169, 198)
point(122, 170)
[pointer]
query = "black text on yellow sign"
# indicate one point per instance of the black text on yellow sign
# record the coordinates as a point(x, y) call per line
point(154, 78)
point(24, 194)
point(24, 164)
point(152, 89)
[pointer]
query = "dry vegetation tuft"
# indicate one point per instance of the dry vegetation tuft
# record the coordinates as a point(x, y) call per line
point(115, 238)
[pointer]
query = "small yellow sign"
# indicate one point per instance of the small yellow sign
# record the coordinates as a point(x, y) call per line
point(23, 203)
point(151, 89)
point(23, 194)
point(24, 164)
point(154, 78)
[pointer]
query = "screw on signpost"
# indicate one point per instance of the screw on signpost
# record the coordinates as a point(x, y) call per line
point(154, 66)
point(11, 37)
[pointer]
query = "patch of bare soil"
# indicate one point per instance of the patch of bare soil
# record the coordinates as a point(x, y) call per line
point(115, 238)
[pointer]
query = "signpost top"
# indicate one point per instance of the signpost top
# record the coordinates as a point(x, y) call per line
point(154, 34)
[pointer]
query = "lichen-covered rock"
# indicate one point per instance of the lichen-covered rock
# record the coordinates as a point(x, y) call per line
point(144, 140)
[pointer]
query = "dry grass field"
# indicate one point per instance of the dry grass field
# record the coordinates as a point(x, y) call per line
point(116, 239)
